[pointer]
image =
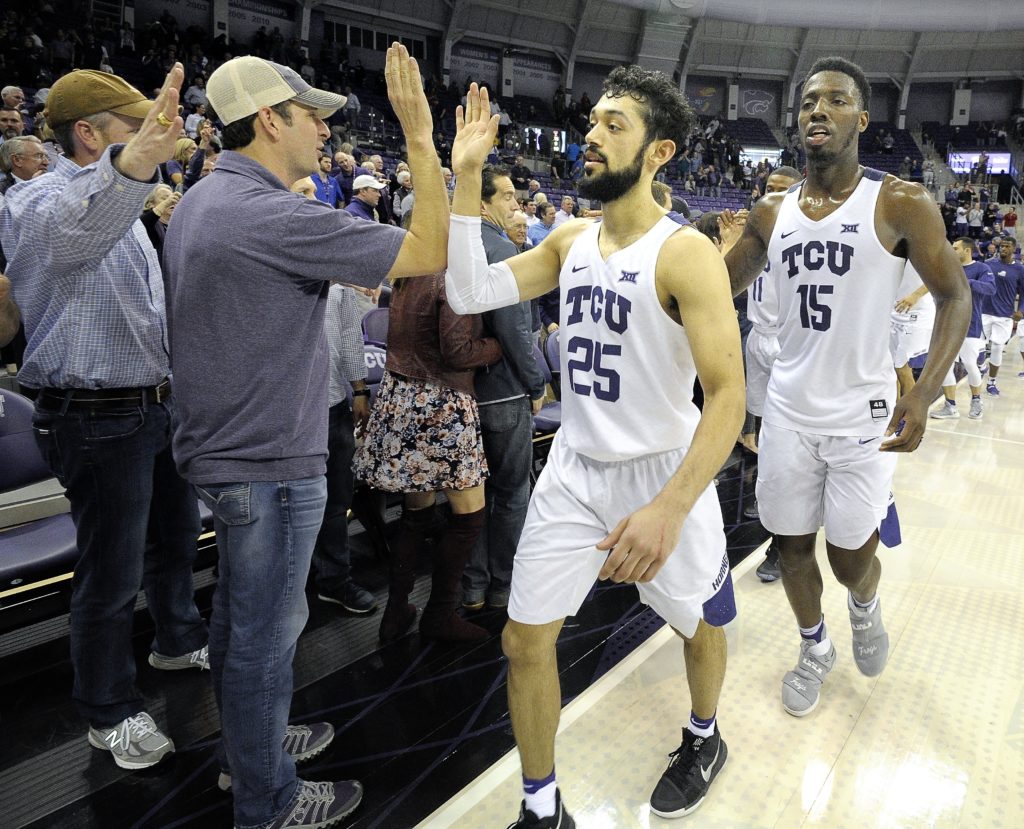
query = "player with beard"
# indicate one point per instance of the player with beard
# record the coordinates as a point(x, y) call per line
point(627, 491)
point(837, 246)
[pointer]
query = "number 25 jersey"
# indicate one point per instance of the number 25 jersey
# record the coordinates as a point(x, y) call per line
point(627, 368)
point(836, 287)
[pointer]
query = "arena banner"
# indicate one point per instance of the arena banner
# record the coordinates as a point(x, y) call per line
point(481, 63)
point(536, 75)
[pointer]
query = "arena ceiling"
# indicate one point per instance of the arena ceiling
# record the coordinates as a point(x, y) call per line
point(900, 40)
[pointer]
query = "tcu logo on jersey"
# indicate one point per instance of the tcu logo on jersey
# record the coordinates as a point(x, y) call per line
point(603, 303)
point(813, 255)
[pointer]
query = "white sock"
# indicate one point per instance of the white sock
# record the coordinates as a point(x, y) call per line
point(542, 801)
point(820, 647)
point(862, 609)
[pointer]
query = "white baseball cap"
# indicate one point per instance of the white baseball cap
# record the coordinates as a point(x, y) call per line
point(367, 181)
point(244, 85)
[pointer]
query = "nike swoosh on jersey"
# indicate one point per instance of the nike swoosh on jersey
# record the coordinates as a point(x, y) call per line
point(868, 440)
point(580, 268)
point(784, 235)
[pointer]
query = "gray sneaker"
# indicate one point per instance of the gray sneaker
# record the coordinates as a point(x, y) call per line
point(320, 805)
point(947, 412)
point(975, 413)
point(770, 569)
point(135, 742)
point(870, 641)
point(302, 742)
point(197, 659)
point(801, 687)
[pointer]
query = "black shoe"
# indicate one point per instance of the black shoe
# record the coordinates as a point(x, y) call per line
point(561, 819)
point(353, 598)
point(688, 777)
point(769, 570)
point(750, 510)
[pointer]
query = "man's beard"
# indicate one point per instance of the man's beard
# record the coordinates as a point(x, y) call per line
point(11, 132)
point(826, 155)
point(611, 185)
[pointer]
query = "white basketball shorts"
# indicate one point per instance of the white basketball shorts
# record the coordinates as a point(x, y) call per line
point(576, 503)
point(997, 329)
point(762, 349)
point(805, 481)
point(908, 338)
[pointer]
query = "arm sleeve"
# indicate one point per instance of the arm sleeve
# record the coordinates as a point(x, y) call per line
point(471, 285)
point(87, 217)
point(985, 283)
point(353, 365)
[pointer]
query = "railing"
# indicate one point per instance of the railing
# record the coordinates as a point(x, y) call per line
point(108, 10)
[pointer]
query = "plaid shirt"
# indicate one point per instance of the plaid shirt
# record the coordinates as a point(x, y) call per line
point(344, 343)
point(86, 278)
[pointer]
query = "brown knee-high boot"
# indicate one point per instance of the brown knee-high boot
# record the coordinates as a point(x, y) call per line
point(399, 614)
point(440, 621)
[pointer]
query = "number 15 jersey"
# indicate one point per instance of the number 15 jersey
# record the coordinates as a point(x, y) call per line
point(836, 286)
point(627, 368)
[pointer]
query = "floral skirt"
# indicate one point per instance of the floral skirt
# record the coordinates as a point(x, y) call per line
point(421, 437)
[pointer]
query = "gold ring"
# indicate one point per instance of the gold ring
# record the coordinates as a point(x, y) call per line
point(163, 120)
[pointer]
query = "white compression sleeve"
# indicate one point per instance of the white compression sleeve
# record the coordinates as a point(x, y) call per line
point(473, 286)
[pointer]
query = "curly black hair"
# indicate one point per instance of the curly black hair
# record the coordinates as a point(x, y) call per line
point(844, 67)
point(667, 114)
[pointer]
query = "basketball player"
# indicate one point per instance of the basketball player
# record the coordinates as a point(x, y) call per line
point(1001, 310)
point(626, 494)
point(983, 285)
point(837, 245)
point(762, 346)
point(910, 326)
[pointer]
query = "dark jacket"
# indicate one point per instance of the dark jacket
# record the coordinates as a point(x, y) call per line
point(517, 373)
point(429, 341)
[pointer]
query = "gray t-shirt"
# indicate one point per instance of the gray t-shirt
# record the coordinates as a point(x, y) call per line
point(248, 264)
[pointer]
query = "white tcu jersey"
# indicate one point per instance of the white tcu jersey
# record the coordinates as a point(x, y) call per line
point(763, 302)
point(923, 311)
point(837, 286)
point(627, 368)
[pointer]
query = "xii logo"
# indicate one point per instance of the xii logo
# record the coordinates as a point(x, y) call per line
point(850, 228)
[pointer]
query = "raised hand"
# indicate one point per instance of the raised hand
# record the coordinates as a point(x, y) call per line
point(475, 129)
point(154, 142)
point(405, 91)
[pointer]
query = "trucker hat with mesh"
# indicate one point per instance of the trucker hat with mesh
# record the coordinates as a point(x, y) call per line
point(244, 85)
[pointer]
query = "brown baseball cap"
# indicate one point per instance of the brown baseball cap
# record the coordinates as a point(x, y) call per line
point(86, 92)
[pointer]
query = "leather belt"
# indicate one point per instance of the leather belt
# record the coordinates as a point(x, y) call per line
point(98, 398)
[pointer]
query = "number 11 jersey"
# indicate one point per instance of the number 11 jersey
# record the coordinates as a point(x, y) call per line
point(836, 286)
point(627, 368)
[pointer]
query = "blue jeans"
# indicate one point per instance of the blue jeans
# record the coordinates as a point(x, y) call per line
point(508, 445)
point(136, 524)
point(265, 537)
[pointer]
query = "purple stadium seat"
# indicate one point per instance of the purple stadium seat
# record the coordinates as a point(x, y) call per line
point(551, 351)
point(40, 548)
point(45, 547)
point(375, 327)
point(376, 358)
point(549, 418)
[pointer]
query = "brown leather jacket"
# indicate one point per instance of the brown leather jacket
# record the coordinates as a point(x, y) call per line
point(429, 341)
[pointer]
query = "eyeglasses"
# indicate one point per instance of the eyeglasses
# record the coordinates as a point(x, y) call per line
point(35, 156)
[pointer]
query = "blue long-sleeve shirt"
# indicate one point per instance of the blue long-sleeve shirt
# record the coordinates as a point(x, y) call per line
point(86, 278)
point(983, 284)
point(1009, 279)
